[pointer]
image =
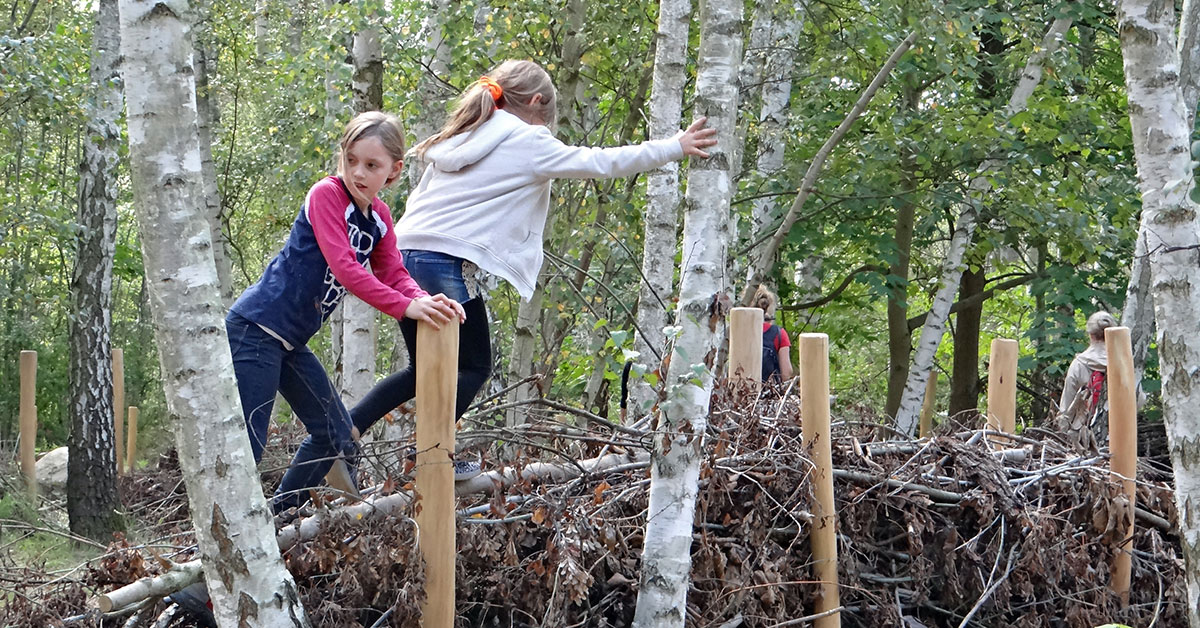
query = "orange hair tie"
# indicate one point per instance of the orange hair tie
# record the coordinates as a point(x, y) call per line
point(492, 86)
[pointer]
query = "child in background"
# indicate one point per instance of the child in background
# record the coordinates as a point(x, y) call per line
point(776, 364)
point(480, 209)
point(340, 228)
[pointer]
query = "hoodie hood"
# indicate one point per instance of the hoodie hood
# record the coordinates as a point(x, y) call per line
point(465, 149)
point(1095, 357)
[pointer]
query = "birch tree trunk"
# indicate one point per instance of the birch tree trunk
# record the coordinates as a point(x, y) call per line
point(529, 313)
point(431, 89)
point(662, 194)
point(360, 322)
point(704, 298)
point(776, 94)
point(92, 500)
point(208, 119)
point(980, 185)
point(247, 580)
point(1161, 143)
point(1138, 313)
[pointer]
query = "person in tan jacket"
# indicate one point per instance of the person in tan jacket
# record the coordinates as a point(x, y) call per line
point(1083, 415)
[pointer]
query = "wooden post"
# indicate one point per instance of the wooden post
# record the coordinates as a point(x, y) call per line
point(1122, 442)
point(1002, 386)
point(745, 346)
point(927, 406)
point(131, 446)
point(28, 419)
point(118, 376)
point(437, 387)
point(814, 418)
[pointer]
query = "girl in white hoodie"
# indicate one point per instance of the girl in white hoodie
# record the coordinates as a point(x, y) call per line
point(480, 209)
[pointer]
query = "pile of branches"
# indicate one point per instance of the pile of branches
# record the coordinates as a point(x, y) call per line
point(959, 529)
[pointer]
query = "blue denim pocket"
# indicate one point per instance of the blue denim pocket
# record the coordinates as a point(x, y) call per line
point(437, 272)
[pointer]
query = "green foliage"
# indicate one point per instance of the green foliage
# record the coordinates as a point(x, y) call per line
point(1063, 206)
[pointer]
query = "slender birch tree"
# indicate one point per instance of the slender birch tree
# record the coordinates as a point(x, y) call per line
point(360, 322)
point(92, 500)
point(208, 115)
point(662, 191)
point(704, 297)
point(1138, 313)
point(246, 577)
point(1171, 221)
point(979, 186)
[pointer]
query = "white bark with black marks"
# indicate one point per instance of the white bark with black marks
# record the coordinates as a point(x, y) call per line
point(246, 577)
point(662, 196)
point(1161, 141)
point(704, 297)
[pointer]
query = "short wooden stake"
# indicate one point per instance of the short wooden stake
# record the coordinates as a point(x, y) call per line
point(745, 345)
point(927, 406)
point(1002, 386)
point(814, 419)
point(118, 376)
point(437, 387)
point(28, 419)
point(131, 446)
point(1122, 442)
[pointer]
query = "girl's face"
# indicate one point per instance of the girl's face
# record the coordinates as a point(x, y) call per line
point(368, 168)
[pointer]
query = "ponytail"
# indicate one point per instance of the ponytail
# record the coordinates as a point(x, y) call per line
point(510, 86)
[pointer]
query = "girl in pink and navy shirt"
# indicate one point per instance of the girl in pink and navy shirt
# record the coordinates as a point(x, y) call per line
point(341, 228)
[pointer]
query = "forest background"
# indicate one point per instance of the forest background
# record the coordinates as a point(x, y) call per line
point(1054, 240)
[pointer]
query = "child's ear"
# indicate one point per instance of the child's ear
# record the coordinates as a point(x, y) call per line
point(397, 168)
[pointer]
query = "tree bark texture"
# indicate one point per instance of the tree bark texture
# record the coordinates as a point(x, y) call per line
point(1138, 313)
point(775, 96)
point(1161, 142)
point(659, 239)
point(208, 119)
point(899, 336)
point(92, 500)
point(431, 89)
point(360, 322)
point(979, 186)
point(964, 369)
point(704, 296)
point(246, 577)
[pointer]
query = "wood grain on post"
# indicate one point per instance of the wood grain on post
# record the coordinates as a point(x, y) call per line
point(927, 405)
point(131, 446)
point(814, 418)
point(1002, 386)
point(1122, 442)
point(745, 345)
point(118, 376)
point(28, 419)
point(437, 387)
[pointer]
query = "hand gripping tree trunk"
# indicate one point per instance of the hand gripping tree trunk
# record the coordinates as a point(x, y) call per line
point(980, 185)
point(1172, 221)
point(92, 487)
point(246, 576)
point(703, 302)
point(662, 193)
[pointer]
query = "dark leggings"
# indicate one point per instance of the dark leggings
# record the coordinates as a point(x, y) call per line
point(474, 366)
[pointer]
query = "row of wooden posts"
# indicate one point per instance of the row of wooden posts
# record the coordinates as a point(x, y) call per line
point(28, 418)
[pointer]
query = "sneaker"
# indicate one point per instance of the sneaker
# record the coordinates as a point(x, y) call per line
point(465, 470)
point(341, 477)
point(194, 600)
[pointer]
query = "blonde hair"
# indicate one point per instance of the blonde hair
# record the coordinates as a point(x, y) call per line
point(766, 301)
point(383, 126)
point(519, 80)
point(1098, 322)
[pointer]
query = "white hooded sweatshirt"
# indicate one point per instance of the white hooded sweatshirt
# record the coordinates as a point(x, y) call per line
point(485, 194)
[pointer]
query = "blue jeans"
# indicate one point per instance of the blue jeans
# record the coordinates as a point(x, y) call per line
point(434, 272)
point(263, 366)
